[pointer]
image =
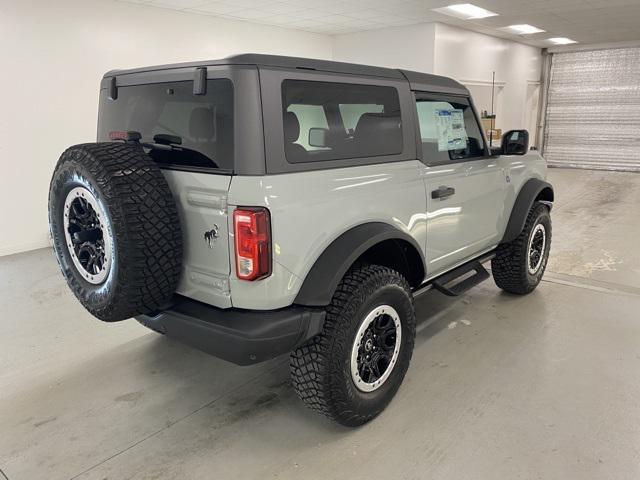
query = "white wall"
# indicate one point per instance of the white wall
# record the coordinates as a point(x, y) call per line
point(467, 56)
point(470, 57)
point(53, 54)
point(409, 47)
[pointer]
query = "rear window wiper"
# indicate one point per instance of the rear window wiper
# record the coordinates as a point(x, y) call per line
point(133, 136)
point(164, 141)
point(161, 142)
point(167, 139)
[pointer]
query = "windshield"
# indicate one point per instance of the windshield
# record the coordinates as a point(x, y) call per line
point(176, 126)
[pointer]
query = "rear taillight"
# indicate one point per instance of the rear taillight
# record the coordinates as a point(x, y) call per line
point(252, 232)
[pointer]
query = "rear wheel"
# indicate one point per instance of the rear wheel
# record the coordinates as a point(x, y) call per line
point(115, 229)
point(519, 265)
point(352, 370)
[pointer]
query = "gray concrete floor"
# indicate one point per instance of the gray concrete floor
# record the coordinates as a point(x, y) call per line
point(545, 386)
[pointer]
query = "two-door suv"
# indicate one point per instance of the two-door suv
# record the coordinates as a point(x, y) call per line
point(260, 205)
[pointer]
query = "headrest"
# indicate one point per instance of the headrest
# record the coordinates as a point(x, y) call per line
point(291, 127)
point(375, 128)
point(201, 124)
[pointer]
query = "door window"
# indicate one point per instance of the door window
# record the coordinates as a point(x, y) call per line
point(448, 129)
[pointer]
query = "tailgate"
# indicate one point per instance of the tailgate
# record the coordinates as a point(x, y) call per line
point(201, 199)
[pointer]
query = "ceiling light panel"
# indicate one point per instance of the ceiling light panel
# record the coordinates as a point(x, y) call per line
point(523, 29)
point(561, 41)
point(465, 11)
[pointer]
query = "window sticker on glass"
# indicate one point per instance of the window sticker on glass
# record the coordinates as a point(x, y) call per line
point(451, 132)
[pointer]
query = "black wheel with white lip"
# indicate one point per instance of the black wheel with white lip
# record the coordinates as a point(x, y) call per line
point(88, 235)
point(536, 250)
point(376, 347)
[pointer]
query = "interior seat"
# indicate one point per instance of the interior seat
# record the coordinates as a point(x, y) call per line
point(291, 134)
point(378, 133)
point(201, 124)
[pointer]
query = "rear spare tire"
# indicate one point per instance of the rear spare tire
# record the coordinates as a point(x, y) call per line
point(115, 229)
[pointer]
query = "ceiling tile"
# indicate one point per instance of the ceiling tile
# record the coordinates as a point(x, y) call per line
point(177, 4)
point(250, 14)
point(341, 8)
point(587, 21)
point(215, 8)
point(308, 13)
point(279, 19)
point(282, 8)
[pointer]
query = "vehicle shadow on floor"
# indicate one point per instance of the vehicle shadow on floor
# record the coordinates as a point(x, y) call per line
point(154, 387)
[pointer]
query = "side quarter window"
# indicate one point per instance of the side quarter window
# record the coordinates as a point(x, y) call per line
point(449, 130)
point(324, 121)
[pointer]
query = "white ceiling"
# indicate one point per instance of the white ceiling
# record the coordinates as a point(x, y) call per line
point(586, 21)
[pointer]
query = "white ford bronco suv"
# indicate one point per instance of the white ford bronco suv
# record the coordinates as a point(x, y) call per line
point(260, 205)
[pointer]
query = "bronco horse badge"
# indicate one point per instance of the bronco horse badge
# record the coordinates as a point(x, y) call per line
point(211, 235)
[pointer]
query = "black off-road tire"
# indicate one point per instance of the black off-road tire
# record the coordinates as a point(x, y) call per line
point(142, 221)
point(321, 368)
point(510, 265)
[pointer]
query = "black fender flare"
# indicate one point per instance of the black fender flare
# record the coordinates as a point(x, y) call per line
point(322, 280)
point(533, 189)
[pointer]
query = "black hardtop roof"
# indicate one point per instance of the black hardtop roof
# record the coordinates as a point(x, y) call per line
point(416, 79)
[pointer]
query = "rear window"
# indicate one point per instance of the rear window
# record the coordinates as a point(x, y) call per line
point(332, 121)
point(177, 127)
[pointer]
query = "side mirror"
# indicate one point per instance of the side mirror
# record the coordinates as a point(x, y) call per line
point(496, 151)
point(515, 142)
point(318, 137)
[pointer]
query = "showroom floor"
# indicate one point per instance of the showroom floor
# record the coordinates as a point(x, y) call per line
point(500, 387)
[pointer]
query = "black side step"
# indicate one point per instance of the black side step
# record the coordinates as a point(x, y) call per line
point(442, 283)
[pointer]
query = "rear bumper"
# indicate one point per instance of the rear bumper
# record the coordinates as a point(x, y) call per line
point(243, 337)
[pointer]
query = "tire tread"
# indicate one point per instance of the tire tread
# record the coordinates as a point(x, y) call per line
point(316, 371)
point(144, 221)
point(509, 266)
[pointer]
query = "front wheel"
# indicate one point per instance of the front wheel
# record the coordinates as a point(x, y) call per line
point(352, 370)
point(519, 265)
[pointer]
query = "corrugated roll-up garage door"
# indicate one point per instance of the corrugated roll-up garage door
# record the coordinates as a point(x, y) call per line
point(593, 110)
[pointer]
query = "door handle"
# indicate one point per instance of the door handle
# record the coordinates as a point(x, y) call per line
point(443, 192)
